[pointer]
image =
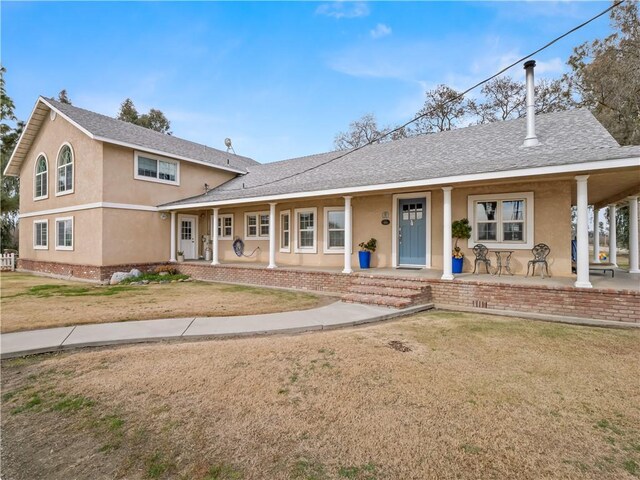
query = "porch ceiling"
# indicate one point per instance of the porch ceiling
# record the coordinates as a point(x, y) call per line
point(611, 187)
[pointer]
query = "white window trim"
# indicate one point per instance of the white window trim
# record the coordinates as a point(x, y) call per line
point(73, 233)
point(528, 221)
point(73, 170)
point(280, 231)
point(257, 236)
point(35, 245)
point(395, 250)
point(158, 158)
point(313, 249)
point(325, 243)
point(220, 217)
point(35, 174)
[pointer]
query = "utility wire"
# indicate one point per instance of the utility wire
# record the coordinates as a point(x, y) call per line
point(428, 112)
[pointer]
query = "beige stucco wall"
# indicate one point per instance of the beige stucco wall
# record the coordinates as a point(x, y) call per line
point(120, 186)
point(552, 225)
point(133, 236)
point(87, 238)
point(87, 169)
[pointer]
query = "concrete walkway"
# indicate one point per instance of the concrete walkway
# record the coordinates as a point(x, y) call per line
point(335, 315)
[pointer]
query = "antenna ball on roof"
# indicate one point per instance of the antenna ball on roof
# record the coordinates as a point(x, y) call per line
point(227, 142)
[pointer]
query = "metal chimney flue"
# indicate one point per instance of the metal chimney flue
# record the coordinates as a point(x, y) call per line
point(531, 139)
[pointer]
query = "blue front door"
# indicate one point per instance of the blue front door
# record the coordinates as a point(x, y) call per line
point(412, 231)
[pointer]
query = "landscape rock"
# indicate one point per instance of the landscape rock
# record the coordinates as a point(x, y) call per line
point(117, 277)
point(135, 273)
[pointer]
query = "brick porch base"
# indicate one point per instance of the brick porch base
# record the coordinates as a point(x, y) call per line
point(600, 304)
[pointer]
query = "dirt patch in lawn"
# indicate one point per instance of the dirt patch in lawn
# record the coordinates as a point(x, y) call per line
point(29, 302)
point(471, 397)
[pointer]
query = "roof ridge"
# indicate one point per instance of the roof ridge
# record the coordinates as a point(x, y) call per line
point(133, 126)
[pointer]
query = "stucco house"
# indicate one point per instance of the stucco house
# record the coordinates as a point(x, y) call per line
point(99, 194)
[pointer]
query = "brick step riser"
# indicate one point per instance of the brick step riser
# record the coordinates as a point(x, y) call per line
point(376, 282)
point(389, 291)
point(378, 300)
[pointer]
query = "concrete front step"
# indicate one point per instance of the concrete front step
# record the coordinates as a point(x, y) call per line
point(389, 282)
point(386, 300)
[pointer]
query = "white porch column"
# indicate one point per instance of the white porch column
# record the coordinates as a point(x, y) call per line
point(582, 234)
point(596, 235)
point(272, 236)
point(633, 235)
point(447, 262)
point(172, 258)
point(613, 241)
point(348, 235)
point(215, 257)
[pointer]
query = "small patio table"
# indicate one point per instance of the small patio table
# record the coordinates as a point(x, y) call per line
point(503, 260)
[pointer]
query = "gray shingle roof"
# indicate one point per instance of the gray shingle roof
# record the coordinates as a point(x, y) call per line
point(123, 132)
point(565, 137)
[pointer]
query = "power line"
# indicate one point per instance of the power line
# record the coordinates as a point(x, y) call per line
point(428, 112)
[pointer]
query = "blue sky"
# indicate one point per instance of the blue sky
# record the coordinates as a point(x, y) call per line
point(281, 79)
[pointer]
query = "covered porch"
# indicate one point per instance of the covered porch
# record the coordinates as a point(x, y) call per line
point(311, 232)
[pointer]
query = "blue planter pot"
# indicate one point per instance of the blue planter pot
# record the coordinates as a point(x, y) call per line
point(457, 264)
point(365, 259)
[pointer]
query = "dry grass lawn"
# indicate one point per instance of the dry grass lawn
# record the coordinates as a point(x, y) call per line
point(470, 397)
point(29, 302)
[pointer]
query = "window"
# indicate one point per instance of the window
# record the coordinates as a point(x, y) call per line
point(41, 234)
point(156, 169)
point(334, 224)
point(64, 233)
point(285, 231)
point(225, 227)
point(256, 225)
point(65, 170)
point(502, 220)
point(306, 230)
point(41, 189)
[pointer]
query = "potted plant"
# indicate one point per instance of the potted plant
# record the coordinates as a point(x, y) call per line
point(180, 256)
point(459, 229)
point(364, 255)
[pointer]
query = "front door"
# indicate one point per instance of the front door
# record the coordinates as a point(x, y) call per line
point(412, 231)
point(187, 235)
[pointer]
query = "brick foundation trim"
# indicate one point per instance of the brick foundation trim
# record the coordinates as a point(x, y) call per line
point(269, 277)
point(81, 272)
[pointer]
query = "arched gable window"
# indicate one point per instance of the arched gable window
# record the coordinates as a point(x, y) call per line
point(41, 189)
point(65, 170)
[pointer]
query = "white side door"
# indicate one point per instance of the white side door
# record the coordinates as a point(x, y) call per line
point(187, 235)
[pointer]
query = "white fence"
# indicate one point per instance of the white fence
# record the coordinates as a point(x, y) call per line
point(8, 261)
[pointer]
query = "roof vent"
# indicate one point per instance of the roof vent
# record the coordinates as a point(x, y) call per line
point(531, 140)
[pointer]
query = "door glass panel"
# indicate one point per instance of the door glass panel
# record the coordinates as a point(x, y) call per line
point(185, 230)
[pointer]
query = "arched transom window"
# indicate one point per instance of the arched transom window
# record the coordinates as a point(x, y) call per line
point(42, 177)
point(65, 170)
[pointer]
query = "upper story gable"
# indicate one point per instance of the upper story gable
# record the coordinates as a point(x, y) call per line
point(69, 156)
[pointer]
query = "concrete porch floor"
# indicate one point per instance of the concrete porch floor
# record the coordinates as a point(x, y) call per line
point(623, 280)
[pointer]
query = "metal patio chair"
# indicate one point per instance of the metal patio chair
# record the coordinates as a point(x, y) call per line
point(540, 253)
point(481, 252)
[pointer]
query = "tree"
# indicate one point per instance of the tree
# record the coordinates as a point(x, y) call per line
point(154, 120)
point(505, 99)
point(361, 132)
point(443, 110)
point(128, 112)
point(63, 97)
point(9, 186)
point(606, 75)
